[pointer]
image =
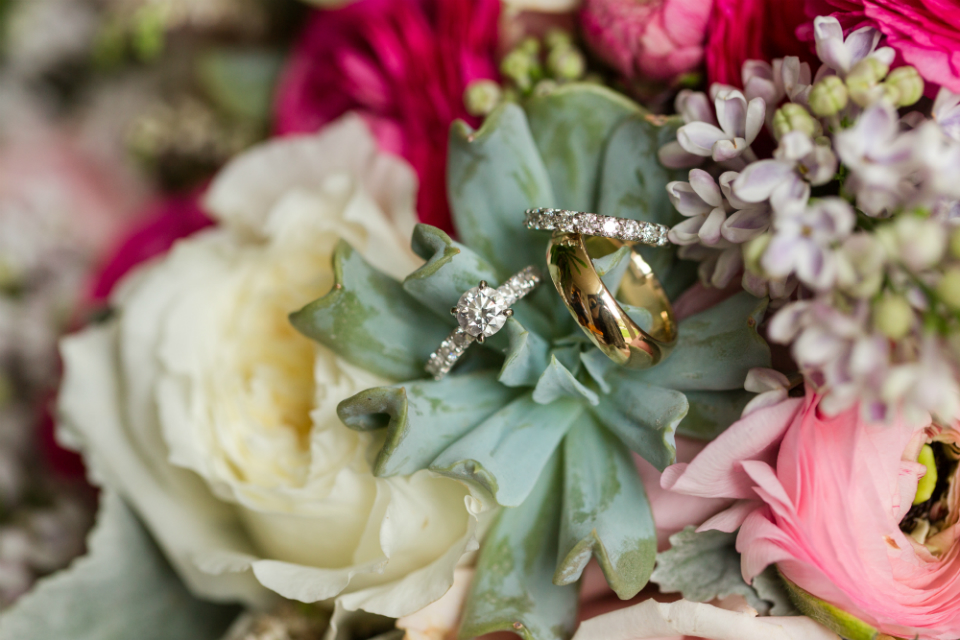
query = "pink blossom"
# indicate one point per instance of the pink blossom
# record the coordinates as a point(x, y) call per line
point(656, 40)
point(825, 499)
point(926, 33)
point(403, 65)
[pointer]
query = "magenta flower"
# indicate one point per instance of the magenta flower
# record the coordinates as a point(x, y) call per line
point(403, 65)
point(926, 33)
point(656, 40)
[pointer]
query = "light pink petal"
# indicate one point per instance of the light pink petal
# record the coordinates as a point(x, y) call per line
point(717, 471)
point(726, 186)
point(673, 156)
point(729, 520)
point(861, 42)
point(758, 180)
point(687, 232)
point(702, 182)
point(732, 113)
point(786, 324)
point(725, 150)
point(685, 199)
point(794, 145)
point(746, 224)
point(756, 115)
point(699, 138)
point(765, 399)
point(761, 543)
point(694, 106)
point(710, 231)
point(729, 264)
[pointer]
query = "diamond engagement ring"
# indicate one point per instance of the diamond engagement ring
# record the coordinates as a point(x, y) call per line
point(592, 224)
point(481, 312)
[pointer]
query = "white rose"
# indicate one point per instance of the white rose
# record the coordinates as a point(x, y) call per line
point(217, 421)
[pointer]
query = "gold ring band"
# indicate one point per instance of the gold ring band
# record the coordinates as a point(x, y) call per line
point(596, 309)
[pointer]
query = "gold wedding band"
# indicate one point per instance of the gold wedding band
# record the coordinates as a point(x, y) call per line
point(596, 309)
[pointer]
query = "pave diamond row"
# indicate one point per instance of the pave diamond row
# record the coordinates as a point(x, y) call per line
point(592, 224)
point(442, 360)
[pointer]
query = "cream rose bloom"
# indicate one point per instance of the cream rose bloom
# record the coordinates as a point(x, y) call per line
point(216, 420)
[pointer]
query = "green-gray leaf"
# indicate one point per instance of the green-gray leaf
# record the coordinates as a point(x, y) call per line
point(644, 417)
point(605, 512)
point(509, 450)
point(423, 417)
point(513, 589)
point(715, 349)
point(558, 382)
point(703, 567)
point(451, 269)
point(571, 127)
point(123, 588)
point(495, 174)
point(527, 357)
point(711, 412)
point(369, 320)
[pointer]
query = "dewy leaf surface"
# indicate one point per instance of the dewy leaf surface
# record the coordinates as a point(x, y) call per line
point(122, 589)
point(513, 588)
point(371, 321)
point(606, 514)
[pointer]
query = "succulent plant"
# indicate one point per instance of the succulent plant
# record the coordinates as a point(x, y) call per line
point(537, 415)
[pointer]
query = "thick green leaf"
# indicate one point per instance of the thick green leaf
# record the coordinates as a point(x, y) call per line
point(508, 451)
point(571, 127)
point(711, 412)
point(513, 589)
point(557, 382)
point(644, 417)
point(715, 348)
point(494, 175)
point(423, 417)
point(451, 269)
point(527, 357)
point(369, 320)
point(605, 512)
point(634, 182)
point(703, 567)
point(122, 589)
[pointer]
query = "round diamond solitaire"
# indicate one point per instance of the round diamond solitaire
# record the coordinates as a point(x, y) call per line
point(480, 311)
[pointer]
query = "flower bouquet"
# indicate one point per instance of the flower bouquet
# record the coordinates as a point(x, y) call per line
point(603, 320)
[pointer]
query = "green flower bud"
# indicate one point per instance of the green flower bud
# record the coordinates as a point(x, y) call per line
point(908, 83)
point(929, 481)
point(530, 46)
point(558, 38)
point(829, 96)
point(566, 63)
point(893, 316)
point(794, 117)
point(948, 289)
point(753, 251)
point(863, 81)
point(481, 97)
point(522, 68)
point(955, 243)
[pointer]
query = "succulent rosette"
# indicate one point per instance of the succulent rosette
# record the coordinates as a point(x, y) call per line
point(537, 416)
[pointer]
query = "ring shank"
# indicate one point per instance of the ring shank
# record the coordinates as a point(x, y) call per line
point(608, 324)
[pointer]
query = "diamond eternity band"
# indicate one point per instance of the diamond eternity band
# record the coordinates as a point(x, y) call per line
point(481, 312)
point(592, 224)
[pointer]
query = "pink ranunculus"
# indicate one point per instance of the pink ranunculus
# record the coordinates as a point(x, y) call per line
point(401, 64)
point(643, 39)
point(162, 224)
point(742, 30)
point(925, 33)
point(830, 501)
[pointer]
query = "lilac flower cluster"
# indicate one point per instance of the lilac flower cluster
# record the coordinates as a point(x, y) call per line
point(852, 227)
